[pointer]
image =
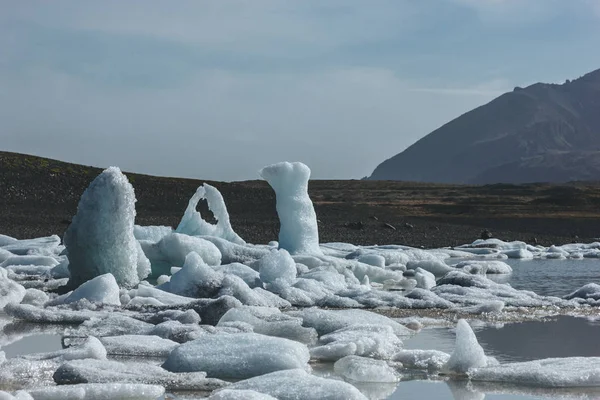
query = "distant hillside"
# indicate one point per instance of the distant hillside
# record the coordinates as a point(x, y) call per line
point(542, 133)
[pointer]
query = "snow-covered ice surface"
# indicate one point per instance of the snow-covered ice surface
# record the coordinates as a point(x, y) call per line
point(291, 319)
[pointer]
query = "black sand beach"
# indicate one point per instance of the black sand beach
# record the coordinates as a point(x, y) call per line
point(39, 197)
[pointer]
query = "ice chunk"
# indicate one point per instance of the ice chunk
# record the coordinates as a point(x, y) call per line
point(467, 351)
point(31, 313)
point(277, 268)
point(430, 360)
point(138, 345)
point(193, 224)
point(196, 279)
point(376, 341)
point(436, 267)
point(175, 247)
point(47, 245)
point(298, 384)
point(375, 260)
point(589, 291)
point(237, 356)
point(248, 275)
point(550, 372)
point(19, 395)
point(101, 289)
point(10, 291)
point(362, 369)
point(109, 372)
point(6, 240)
point(90, 348)
point(151, 233)
point(327, 321)
point(271, 322)
point(100, 239)
point(111, 325)
point(298, 232)
point(425, 279)
point(90, 391)
point(30, 260)
point(229, 394)
point(236, 287)
point(232, 252)
point(484, 267)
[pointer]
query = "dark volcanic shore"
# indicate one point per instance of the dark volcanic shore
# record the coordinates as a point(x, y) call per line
point(39, 197)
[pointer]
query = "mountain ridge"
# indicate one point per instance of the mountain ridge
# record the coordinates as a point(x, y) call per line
point(536, 121)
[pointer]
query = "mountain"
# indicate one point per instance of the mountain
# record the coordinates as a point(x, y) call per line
point(542, 133)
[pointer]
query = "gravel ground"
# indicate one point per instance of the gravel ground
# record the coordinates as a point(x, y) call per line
point(39, 197)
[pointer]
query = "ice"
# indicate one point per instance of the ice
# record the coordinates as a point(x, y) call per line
point(425, 279)
point(172, 250)
point(467, 351)
point(298, 384)
point(101, 289)
point(29, 260)
point(327, 321)
point(375, 260)
point(375, 341)
point(90, 348)
point(436, 267)
point(229, 394)
point(18, 372)
point(100, 239)
point(46, 245)
point(232, 253)
point(484, 267)
point(589, 291)
point(277, 268)
point(299, 232)
point(111, 324)
point(271, 322)
point(31, 313)
point(6, 240)
point(109, 372)
point(550, 372)
point(10, 291)
point(19, 395)
point(236, 287)
point(195, 279)
point(90, 391)
point(429, 360)
point(248, 275)
point(237, 356)
point(138, 345)
point(151, 233)
point(362, 369)
point(193, 224)
point(165, 298)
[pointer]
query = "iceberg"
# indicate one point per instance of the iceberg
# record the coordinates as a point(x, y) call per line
point(193, 224)
point(100, 239)
point(237, 356)
point(467, 352)
point(299, 232)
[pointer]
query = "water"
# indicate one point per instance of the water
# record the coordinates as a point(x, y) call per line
point(556, 337)
point(552, 277)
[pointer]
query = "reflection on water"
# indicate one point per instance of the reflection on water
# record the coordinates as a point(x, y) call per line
point(551, 277)
point(466, 390)
point(532, 340)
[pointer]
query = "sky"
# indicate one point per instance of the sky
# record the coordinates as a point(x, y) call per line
point(218, 89)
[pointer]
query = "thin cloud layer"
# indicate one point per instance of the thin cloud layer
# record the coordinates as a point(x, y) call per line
point(216, 90)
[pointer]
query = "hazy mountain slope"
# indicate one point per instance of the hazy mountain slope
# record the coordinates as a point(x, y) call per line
point(491, 142)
